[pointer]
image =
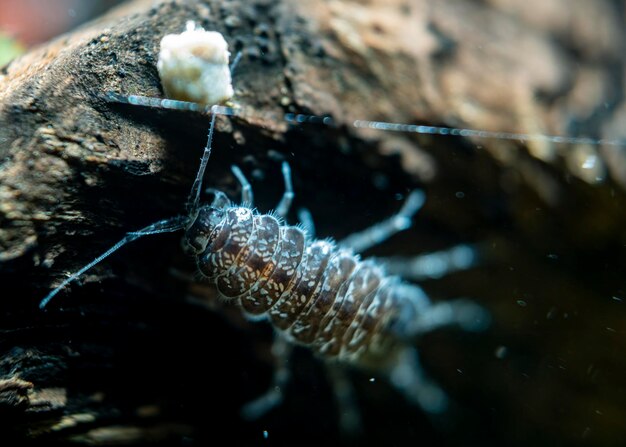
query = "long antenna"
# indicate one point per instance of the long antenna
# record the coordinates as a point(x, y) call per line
point(298, 118)
point(194, 196)
point(162, 226)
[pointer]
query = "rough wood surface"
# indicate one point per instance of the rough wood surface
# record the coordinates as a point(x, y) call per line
point(119, 357)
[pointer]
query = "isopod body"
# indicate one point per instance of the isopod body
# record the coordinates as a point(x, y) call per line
point(316, 293)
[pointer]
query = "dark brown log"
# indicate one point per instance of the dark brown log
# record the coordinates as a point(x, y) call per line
point(119, 357)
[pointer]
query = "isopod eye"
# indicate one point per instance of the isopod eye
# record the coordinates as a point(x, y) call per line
point(201, 231)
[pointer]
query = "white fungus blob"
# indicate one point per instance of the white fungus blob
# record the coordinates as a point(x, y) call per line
point(193, 66)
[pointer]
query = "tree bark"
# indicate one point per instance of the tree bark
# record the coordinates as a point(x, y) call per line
point(119, 356)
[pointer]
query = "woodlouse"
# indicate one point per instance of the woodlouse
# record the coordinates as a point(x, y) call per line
point(316, 293)
point(501, 320)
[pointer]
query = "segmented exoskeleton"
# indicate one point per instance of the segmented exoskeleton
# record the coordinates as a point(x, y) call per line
point(316, 293)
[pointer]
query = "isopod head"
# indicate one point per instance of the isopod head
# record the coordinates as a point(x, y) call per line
point(202, 230)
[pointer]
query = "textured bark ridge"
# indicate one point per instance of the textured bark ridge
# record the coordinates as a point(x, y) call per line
point(119, 357)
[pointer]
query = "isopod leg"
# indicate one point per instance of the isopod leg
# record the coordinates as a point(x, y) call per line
point(247, 198)
point(220, 200)
point(418, 315)
point(382, 231)
point(285, 202)
point(349, 415)
point(409, 378)
point(306, 220)
point(432, 265)
point(464, 313)
point(281, 349)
